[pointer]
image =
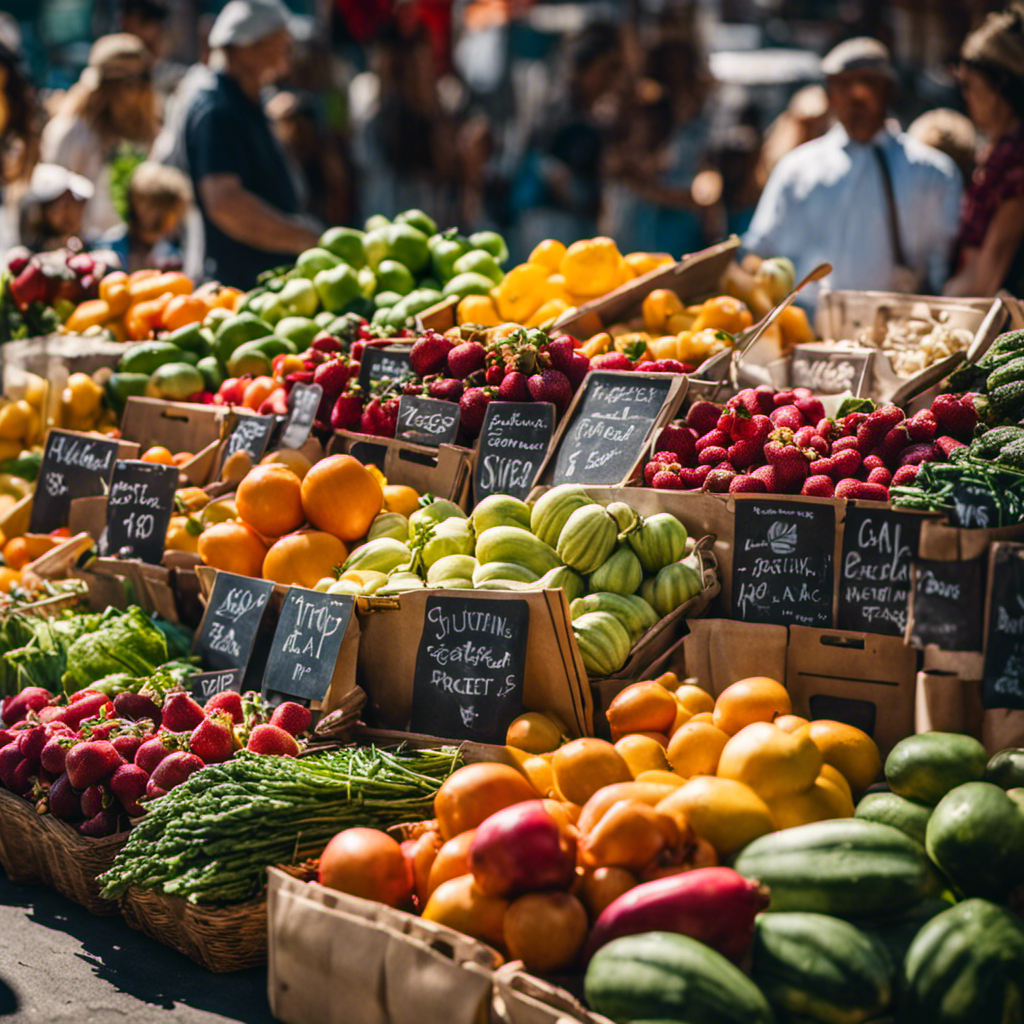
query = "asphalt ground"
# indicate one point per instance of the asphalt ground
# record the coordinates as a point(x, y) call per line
point(59, 963)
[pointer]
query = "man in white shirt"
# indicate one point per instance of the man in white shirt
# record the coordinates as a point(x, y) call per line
point(878, 206)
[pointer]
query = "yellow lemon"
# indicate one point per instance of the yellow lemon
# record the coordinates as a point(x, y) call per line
point(772, 762)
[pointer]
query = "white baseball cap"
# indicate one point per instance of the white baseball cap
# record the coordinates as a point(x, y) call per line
point(49, 181)
point(244, 22)
point(861, 53)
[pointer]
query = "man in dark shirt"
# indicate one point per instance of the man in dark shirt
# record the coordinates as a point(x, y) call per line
point(241, 180)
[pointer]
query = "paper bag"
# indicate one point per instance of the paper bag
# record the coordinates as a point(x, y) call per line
point(718, 652)
point(522, 998)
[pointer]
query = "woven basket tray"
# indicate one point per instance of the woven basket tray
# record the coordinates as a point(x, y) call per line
point(221, 939)
point(39, 848)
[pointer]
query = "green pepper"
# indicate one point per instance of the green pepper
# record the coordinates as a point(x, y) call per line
point(444, 253)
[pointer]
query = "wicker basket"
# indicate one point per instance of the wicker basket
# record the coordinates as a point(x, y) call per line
point(220, 938)
point(39, 848)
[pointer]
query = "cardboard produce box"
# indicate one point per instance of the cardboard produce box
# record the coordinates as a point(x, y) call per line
point(718, 652)
point(56, 356)
point(445, 472)
point(337, 959)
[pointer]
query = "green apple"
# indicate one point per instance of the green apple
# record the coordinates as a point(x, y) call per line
point(298, 296)
point(477, 261)
point(367, 282)
point(409, 246)
point(375, 245)
point(492, 242)
point(346, 244)
point(468, 284)
point(446, 250)
point(312, 261)
point(237, 330)
point(297, 329)
point(419, 220)
point(377, 220)
point(337, 287)
point(393, 276)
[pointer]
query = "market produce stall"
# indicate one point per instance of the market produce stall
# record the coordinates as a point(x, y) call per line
point(501, 666)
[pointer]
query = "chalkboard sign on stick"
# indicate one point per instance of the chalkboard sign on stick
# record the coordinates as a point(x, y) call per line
point(251, 434)
point(427, 421)
point(303, 402)
point(232, 619)
point(1003, 678)
point(383, 364)
point(783, 562)
point(205, 685)
point(74, 466)
point(468, 681)
point(514, 443)
point(609, 423)
point(975, 507)
point(947, 603)
point(874, 575)
point(306, 643)
point(828, 370)
point(139, 509)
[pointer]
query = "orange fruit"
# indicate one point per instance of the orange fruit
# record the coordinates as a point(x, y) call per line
point(695, 749)
point(790, 723)
point(836, 777)
point(545, 930)
point(837, 789)
point(258, 390)
point(459, 904)
point(704, 716)
point(641, 753)
point(269, 499)
point(158, 454)
point(401, 498)
point(772, 762)
point(819, 802)
point(340, 496)
point(757, 699)
point(298, 463)
point(583, 766)
point(535, 732)
point(849, 749)
point(642, 707)
point(185, 309)
point(8, 578)
point(695, 699)
point(303, 558)
point(16, 553)
point(180, 458)
point(233, 547)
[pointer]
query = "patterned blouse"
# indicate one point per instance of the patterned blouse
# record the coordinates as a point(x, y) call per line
point(998, 177)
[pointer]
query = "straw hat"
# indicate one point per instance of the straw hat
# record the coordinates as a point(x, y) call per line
point(998, 41)
point(115, 57)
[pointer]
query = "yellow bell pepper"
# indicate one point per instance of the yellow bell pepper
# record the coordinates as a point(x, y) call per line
point(640, 263)
point(522, 292)
point(548, 253)
point(477, 309)
point(593, 267)
point(597, 345)
point(658, 306)
point(549, 311)
point(635, 345)
point(183, 535)
point(724, 313)
point(91, 313)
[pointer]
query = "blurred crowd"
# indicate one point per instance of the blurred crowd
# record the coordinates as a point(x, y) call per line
point(234, 165)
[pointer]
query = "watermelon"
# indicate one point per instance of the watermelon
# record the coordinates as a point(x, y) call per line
point(927, 766)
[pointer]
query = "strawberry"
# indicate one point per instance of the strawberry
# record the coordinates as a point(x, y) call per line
point(346, 411)
point(181, 713)
point(127, 746)
point(227, 701)
point(915, 454)
point(446, 388)
point(922, 426)
point(16, 707)
point(712, 455)
point(90, 762)
point(272, 739)
point(103, 824)
point(494, 374)
point(10, 760)
point(135, 706)
point(719, 480)
point(759, 401)
point(955, 416)
point(332, 376)
point(466, 358)
point(172, 770)
point(658, 461)
point(726, 422)
point(788, 416)
point(52, 756)
point(862, 490)
point(844, 442)
point(818, 485)
point(292, 717)
point(325, 342)
point(790, 465)
point(713, 438)
point(514, 387)
point(560, 352)
point(871, 462)
point(91, 704)
point(845, 463)
point(472, 405)
point(904, 475)
point(744, 454)
point(64, 802)
point(892, 444)
point(852, 422)
point(873, 430)
point(879, 475)
point(430, 353)
point(694, 477)
point(948, 445)
point(128, 784)
point(745, 484)
point(579, 367)
point(667, 480)
point(678, 440)
point(781, 398)
point(753, 428)
point(769, 477)
point(150, 754)
point(611, 361)
point(703, 417)
point(212, 739)
point(827, 429)
point(811, 407)
point(92, 800)
point(551, 386)
point(663, 366)
point(31, 742)
point(802, 437)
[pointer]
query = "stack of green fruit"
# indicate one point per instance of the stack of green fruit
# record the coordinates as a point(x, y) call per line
point(387, 273)
point(621, 573)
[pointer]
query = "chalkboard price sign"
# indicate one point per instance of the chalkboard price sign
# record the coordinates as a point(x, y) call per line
point(468, 682)
point(1003, 676)
point(974, 507)
point(827, 370)
point(383, 364)
point(139, 509)
point(947, 604)
point(205, 685)
point(427, 421)
point(303, 402)
point(611, 421)
point(233, 616)
point(514, 442)
point(73, 466)
point(251, 434)
point(306, 643)
point(783, 562)
point(874, 577)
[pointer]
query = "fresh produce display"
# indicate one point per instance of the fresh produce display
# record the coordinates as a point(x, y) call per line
point(210, 838)
point(912, 344)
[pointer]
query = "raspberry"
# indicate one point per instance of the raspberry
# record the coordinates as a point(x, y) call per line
point(818, 486)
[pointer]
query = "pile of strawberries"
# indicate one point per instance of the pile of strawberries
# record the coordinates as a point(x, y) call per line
point(780, 442)
point(91, 761)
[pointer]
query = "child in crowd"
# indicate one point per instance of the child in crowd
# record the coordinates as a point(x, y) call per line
point(158, 198)
point(53, 207)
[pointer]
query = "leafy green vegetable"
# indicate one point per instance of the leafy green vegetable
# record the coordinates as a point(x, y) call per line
point(124, 642)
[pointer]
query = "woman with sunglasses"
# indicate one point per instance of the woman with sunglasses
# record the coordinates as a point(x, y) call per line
point(990, 245)
point(111, 104)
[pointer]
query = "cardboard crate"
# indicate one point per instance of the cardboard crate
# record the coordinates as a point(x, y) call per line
point(55, 357)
